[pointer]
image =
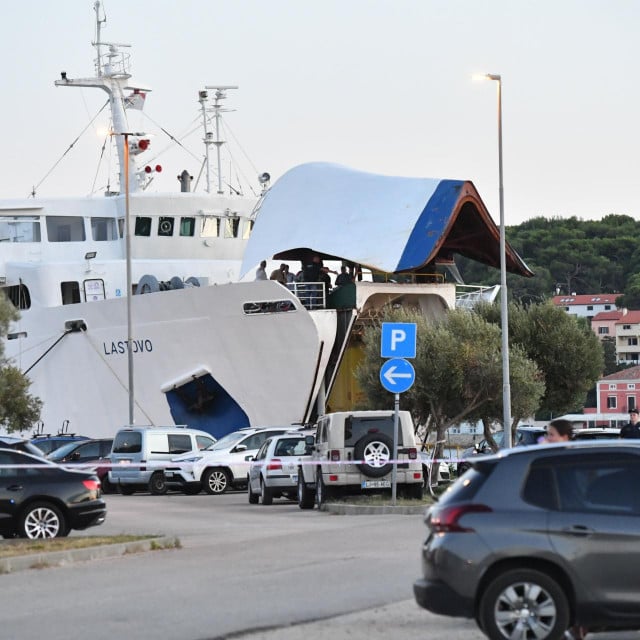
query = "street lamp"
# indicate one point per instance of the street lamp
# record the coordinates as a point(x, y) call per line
point(504, 308)
point(129, 275)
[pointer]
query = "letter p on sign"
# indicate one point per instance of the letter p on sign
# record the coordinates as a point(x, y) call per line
point(398, 340)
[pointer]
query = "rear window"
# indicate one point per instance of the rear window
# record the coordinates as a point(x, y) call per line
point(355, 428)
point(290, 447)
point(465, 488)
point(127, 442)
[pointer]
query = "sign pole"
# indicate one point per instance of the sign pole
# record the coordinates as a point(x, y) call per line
point(394, 469)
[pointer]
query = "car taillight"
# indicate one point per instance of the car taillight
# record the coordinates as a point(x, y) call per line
point(274, 465)
point(334, 455)
point(413, 454)
point(447, 519)
point(92, 485)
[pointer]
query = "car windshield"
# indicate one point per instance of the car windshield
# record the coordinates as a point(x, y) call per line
point(63, 451)
point(227, 441)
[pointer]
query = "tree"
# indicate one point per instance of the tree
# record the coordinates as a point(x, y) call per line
point(566, 350)
point(458, 368)
point(18, 409)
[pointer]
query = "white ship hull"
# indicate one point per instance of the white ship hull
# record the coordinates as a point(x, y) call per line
point(269, 364)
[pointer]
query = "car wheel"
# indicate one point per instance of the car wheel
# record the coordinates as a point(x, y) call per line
point(127, 489)
point(107, 485)
point(42, 520)
point(524, 603)
point(266, 493)
point(158, 484)
point(253, 497)
point(306, 496)
point(215, 481)
point(322, 492)
point(374, 450)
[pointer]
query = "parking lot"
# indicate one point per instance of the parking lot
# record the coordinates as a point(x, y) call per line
point(246, 570)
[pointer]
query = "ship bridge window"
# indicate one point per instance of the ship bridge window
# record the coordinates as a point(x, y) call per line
point(210, 227)
point(18, 295)
point(104, 229)
point(143, 226)
point(187, 226)
point(165, 226)
point(231, 226)
point(65, 229)
point(70, 292)
point(271, 306)
point(121, 227)
point(248, 227)
point(19, 229)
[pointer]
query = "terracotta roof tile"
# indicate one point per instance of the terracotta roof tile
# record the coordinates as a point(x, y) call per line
point(632, 373)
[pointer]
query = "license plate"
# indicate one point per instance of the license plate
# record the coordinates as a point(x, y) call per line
point(294, 478)
point(168, 474)
point(376, 484)
point(124, 461)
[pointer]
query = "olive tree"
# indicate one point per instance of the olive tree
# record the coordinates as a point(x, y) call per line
point(18, 408)
point(458, 368)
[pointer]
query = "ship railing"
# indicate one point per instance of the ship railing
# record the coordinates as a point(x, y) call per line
point(312, 295)
point(403, 278)
point(467, 296)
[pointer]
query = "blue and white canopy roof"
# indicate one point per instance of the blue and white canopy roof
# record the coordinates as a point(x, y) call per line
point(390, 224)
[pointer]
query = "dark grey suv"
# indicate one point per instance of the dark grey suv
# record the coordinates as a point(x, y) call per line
point(537, 539)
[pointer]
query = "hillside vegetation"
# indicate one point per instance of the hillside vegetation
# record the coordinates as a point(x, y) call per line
point(570, 255)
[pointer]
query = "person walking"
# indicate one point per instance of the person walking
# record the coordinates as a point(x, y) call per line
point(632, 428)
point(261, 273)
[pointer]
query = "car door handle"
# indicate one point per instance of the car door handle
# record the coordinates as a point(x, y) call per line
point(15, 487)
point(578, 530)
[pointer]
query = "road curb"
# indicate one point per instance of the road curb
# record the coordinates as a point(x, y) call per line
point(47, 559)
point(343, 509)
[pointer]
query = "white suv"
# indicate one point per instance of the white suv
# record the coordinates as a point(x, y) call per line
point(222, 466)
point(354, 452)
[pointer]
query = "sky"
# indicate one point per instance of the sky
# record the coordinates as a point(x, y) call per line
point(378, 85)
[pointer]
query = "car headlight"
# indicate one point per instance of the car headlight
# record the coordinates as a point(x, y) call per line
point(191, 460)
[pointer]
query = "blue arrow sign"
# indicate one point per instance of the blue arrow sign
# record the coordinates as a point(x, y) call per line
point(398, 340)
point(397, 375)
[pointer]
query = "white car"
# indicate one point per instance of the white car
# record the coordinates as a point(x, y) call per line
point(274, 469)
point(222, 466)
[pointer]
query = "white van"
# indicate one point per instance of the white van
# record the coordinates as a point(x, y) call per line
point(139, 455)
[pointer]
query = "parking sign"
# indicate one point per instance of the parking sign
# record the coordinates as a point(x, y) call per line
point(398, 340)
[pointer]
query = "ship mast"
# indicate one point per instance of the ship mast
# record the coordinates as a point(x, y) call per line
point(220, 94)
point(112, 76)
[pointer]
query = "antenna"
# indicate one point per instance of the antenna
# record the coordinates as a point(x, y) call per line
point(220, 94)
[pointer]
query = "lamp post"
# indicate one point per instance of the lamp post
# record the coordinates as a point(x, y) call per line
point(127, 220)
point(504, 307)
point(129, 278)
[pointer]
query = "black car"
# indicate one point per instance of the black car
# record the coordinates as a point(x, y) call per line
point(524, 435)
point(536, 540)
point(9, 442)
point(49, 443)
point(40, 499)
point(87, 454)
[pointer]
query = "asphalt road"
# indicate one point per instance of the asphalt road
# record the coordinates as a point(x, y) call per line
point(243, 571)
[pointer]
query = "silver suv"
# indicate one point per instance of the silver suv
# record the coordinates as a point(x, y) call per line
point(535, 540)
point(353, 452)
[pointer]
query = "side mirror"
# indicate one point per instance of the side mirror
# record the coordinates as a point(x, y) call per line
point(249, 458)
point(239, 448)
point(309, 441)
